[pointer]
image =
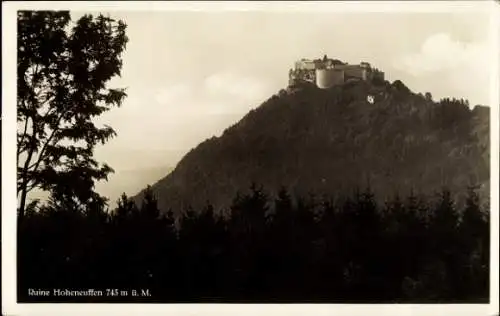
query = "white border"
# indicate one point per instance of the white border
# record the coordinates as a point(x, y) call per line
point(494, 149)
point(9, 305)
point(300, 6)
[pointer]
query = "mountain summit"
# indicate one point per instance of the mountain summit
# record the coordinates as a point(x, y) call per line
point(328, 141)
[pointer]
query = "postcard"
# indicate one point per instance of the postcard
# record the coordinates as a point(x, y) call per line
point(330, 158)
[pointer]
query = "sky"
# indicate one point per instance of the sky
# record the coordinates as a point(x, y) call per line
point(189, 75)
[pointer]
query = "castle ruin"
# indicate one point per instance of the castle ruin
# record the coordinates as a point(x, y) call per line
point(326, 72)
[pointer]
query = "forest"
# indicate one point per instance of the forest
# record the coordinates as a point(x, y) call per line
point(286, 249)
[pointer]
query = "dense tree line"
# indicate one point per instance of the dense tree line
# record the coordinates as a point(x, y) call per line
point(263, 249)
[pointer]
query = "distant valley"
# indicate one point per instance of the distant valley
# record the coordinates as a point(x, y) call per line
point(130, 181)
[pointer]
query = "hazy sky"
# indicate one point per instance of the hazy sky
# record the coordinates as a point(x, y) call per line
point(190, 75)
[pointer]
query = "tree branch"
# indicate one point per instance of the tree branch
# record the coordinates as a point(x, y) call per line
point(24, 180)
point(22, 138)
point(31, 186)
point(40, 157)
point(30, 87)
point(54, 131)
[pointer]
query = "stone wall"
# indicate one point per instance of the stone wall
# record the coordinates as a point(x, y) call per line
point(326, 78)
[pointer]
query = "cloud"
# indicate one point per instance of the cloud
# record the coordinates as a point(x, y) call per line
point(440, 52)
point(228, 84)
point(449, 67)
point(220, 93)
point(181, 113)
point(173, 93)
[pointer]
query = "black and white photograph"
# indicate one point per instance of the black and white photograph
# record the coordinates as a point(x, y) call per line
point(302, 156)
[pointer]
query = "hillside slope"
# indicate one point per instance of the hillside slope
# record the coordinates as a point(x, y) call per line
point(327, 141)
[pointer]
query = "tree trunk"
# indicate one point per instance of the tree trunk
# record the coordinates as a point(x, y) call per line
point(24, 187)
point(22, 205)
